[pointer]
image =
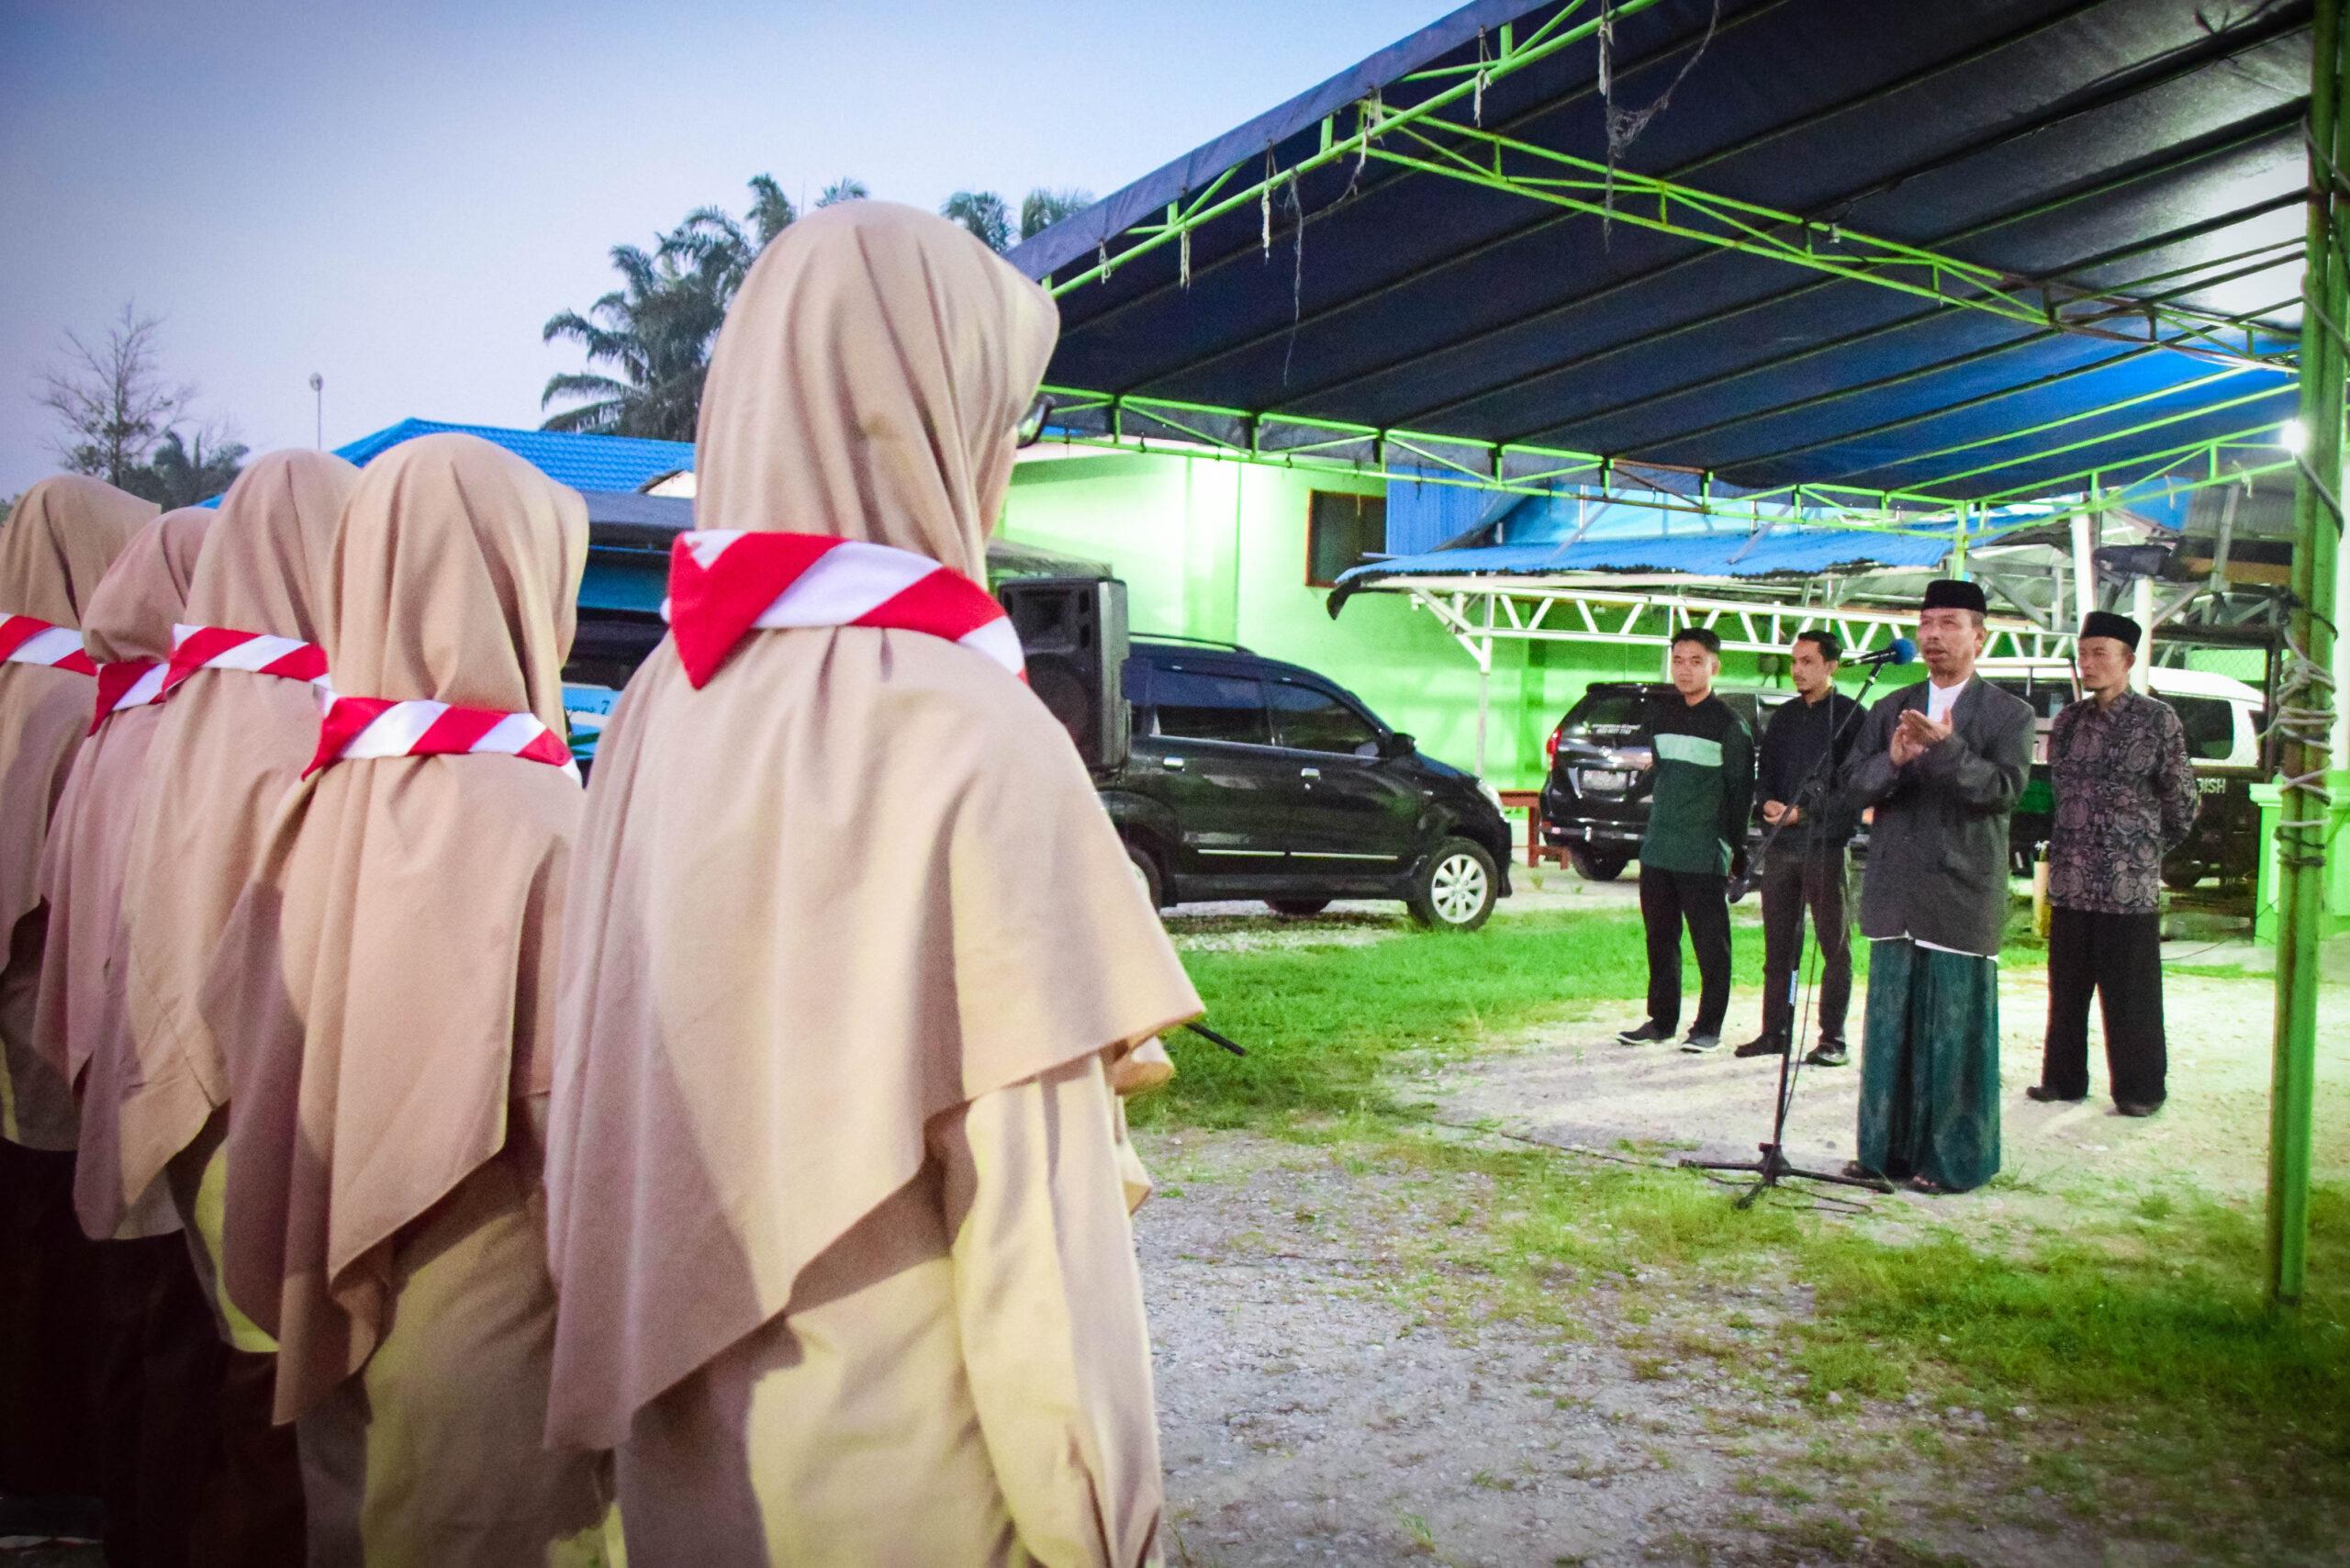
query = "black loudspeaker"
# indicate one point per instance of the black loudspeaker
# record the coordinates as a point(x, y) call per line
point(1074, 635)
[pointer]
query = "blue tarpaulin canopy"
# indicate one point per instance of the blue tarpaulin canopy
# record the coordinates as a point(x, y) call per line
point(2114, 189)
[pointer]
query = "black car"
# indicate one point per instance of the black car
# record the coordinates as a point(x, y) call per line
point(1595, 797)
point(1251, 779)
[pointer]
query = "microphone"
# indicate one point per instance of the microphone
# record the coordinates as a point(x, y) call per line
point(1900, 651)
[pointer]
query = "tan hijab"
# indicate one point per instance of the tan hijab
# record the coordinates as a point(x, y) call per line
point(55, 546)
point(857, 881)
point(82, 1028)
point(387, 984)
point(226, 749)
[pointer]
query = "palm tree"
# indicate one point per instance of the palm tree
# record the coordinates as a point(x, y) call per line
point(846, 188)
point(984, 214)
point(655, 331)
point(181, 474)
point(1042, 208)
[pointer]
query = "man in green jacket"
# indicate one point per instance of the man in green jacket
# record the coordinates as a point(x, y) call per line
point(1704, 775)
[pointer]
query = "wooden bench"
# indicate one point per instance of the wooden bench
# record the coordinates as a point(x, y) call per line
point(1530, 802)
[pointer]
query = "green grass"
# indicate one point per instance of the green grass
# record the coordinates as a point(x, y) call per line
point(1325, 1023)
point(2151, 1376)
point(2157, 1386)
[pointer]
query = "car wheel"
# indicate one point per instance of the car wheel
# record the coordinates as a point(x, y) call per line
point(1592, 865)
point(1297, 906)
point(1146, 871)
point(1456, 887)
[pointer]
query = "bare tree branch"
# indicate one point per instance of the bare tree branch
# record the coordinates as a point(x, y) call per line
point(112, 399)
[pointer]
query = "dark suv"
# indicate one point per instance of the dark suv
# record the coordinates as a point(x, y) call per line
point(1596, 798)
point(1250, 778)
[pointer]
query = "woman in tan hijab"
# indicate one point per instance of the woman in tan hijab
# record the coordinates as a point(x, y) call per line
point(853, 967)
point(159, 1362)
point(82, 1026)
point(384, 1000)
point(54, 547)
point(241, 721)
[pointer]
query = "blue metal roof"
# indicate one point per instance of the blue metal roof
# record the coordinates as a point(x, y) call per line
point(582, 462)
point(1719, 553)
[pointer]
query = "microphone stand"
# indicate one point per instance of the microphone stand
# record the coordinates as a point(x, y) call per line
point(1773, 1166)
point(1203, 1032)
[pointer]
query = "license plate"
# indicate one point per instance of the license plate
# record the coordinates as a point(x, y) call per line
point(1603, 778)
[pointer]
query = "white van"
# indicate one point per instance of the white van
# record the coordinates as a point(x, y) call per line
point(2223, 718)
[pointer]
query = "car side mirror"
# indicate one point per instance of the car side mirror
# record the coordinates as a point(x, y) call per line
point(1397, 743)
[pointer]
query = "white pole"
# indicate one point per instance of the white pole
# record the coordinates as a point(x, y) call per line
point(2085, 532)
point(1484, 683)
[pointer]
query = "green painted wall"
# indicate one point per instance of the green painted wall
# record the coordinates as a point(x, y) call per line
point(1217, 549)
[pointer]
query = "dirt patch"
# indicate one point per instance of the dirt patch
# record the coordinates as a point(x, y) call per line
point(1311, 1412)
point(1575, 1085)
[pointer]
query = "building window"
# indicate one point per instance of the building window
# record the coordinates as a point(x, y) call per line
point(1342, 531)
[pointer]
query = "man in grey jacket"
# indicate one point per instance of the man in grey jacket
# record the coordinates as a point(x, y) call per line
point(1943, 763)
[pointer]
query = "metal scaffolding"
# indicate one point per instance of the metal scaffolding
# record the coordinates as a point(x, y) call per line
point(2085, 461)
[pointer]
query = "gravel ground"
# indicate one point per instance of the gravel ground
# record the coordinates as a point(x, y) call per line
point(1311, 1411)
point(1310, 1416)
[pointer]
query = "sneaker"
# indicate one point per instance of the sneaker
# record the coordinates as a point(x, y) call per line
point(1827, 1053)
point(2137, 1107)
point(2047, 1096)
point(1763, 1046)
point(1648, 1033)
point(1698, 1045)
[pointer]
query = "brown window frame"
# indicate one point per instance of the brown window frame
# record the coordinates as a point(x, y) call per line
point(1360, 498)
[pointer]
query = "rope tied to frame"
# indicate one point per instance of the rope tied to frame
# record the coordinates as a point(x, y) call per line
point(1484, 74)
point(1624, 126)
point(1264, 204)
point(2305, 693)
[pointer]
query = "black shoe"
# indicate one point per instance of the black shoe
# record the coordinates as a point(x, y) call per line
point(1650, 1033)
point(1763, 1046)
point(1698, 1045)
point(2137, 1107)
point(2047, 1096)
point(1827, 1053)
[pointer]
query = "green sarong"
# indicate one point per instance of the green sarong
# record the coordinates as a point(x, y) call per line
point(1929, 1065)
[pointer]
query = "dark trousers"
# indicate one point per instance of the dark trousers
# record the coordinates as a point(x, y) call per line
point(49, 1292)
point(157, 1402)
point(1796, 877)
point(2119, 957)
point(1668, 900)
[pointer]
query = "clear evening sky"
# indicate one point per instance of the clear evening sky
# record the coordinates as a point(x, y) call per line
point(396, 195)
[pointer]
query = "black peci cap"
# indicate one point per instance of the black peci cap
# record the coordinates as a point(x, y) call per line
point(1948, 593)
point(2121, 628)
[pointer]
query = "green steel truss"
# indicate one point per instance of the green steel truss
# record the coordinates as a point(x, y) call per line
point(2252, 355)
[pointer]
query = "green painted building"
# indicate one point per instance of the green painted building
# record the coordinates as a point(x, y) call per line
point(1224, 551)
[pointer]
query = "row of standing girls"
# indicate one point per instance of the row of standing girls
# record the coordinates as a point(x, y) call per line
point(729, 1158)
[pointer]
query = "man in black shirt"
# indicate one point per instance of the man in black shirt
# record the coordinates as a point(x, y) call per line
point(1804, 867)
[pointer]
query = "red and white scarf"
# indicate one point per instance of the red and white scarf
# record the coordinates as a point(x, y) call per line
point(724, 584)
point(28, 640)
point(358, 728)
point(125, 684)
point(222, 648)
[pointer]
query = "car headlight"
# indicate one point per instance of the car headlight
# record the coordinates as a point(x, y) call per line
point(1491, 794)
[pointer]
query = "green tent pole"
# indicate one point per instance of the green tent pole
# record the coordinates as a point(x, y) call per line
point(2301, 847)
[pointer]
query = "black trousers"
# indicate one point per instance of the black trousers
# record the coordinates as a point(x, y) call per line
point(2119, 957)
point(1796, 877)
point(1668, 900)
